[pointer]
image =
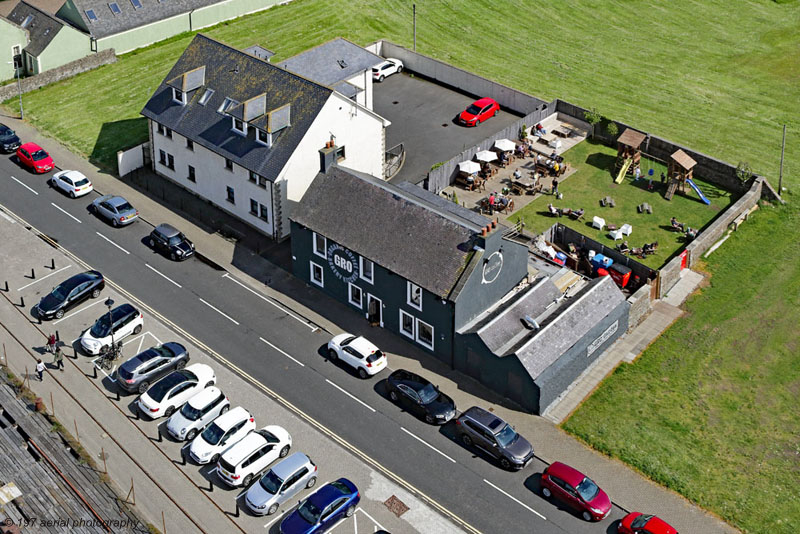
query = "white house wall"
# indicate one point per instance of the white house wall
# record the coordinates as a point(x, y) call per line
point(363, 81)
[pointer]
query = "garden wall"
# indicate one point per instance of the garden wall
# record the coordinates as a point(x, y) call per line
point(131, 159)
point(669, 275)
point(640, 306)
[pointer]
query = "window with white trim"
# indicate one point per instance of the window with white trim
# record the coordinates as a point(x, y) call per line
point(366, 269)
point(407, 324)
point(189, 144)
point(239, 126)
point(254, 206)
point(317, 276)
point(160, 128)
point(414, 295)
point(354, 295)
point(231, 195)
point(424, 334)
point(178, 96)
point(263, 137)
point(264, 214)
point(191, 177)
point(320, 245)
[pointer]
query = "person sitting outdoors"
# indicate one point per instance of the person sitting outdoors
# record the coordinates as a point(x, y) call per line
point(503, 159)
point(691, 233)
point(554, 211)
point(540, 131)
point(517, 174)
point(577, 214)
point(676, 225)
point(521, 151)
point(554, 155)
point(624, 248)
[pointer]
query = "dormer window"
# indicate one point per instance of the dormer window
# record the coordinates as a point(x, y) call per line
point(227, 104)
point(239, 126)
point(178, 96)
point(264, 138)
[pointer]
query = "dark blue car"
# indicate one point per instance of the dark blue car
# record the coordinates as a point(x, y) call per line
point(322, 510)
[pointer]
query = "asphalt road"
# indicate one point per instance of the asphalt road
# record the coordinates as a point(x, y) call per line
point(284, 353)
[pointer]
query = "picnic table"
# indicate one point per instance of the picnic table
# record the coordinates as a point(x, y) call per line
point(525, 184)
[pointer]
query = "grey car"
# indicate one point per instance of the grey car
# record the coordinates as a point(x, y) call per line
point(115, 209)
point(488, 432)
point(281, 483)
point(137, 373)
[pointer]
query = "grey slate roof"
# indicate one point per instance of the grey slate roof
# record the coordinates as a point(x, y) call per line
point(321, 63)
point(41, 29)
point(232, 73)
point(401, 231)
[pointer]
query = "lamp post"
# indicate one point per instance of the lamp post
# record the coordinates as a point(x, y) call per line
point(109, 303)
point(17, 68)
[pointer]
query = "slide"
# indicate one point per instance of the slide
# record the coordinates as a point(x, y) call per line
point(697, 190)
point(624, 170)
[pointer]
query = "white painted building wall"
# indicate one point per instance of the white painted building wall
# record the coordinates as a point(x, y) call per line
point(363, 81)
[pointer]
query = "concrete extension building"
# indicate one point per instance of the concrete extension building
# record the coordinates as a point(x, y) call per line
point(13, 38)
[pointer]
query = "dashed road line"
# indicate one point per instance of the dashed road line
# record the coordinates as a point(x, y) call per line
point(25, 186)
point(163, 275)
point(351, 396)
point(295, 360)
point(515, 500)
point(228, 317)
point(379, 526)
point(262, 297)
point(107, 239)
point(42, 278)
point(275, 519)
point(62, 210)
point(426, 443)
point(77, 312)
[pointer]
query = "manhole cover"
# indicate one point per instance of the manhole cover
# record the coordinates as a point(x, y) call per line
point(395, 102)
point(396, 506)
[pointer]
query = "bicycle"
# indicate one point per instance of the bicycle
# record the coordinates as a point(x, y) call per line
point(108, 357)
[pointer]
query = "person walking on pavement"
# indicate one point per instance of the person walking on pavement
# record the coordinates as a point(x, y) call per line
point(40, 369)
point(555, 186)
point(58, 359)
point(51, 343)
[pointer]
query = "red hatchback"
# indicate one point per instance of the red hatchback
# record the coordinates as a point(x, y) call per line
point(578, 491)
point(479, 111)
point(639, 523)
point(35, 158)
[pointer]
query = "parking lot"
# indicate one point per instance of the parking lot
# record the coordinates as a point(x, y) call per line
point(423, 117)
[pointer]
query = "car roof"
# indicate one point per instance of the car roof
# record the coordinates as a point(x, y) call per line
point(290, 464)
point(325, 495)
point(659, 526)
point(483, 101)
point(73, 281)
point(231, 417)
point(568, 474)
point(117, 201)
point(74, 175)
point(31, 147)
point(167, 230)
point(205, 397)
point(122, 310)
point(485, 418)
point(243, 448)
point(363, 345)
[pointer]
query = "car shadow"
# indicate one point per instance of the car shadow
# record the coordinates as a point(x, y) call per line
point(323, 351)
point(613, 527)
point(449, 430)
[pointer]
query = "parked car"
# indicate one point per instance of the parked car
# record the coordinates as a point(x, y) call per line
point(320, 511)
point(576, 490)
point(281, 483)
point(124, 321)
point(9, 141)
point(488, 432)
point(35, 158)
point(479, 111)
point(73, 183)
point(197, 413)
point(224, 432)
point(639, 523)
point(137, 373)
point(254, 453)
point(172, 391)
point(69, 293)
point(358, 353)
point(115, 209)
point(420, 397)
point(170, 241)
point(387, 68)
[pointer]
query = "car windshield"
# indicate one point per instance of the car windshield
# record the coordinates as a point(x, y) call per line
point(102, 327)
point(310, 512)
point(506, 436)
point(190, 412)
point(59, 292)
point(341, 486)
point(348, 341)
point(162, 351)
point(473, 109)
point(83, 182)
point(6, 133)
point(39, 155)
point(122, 208)
point(160, 388)
point(176, 239)
point(641, 521)
point(271, 483)
point(428, 394)
point(587, 489)
point(213, 434)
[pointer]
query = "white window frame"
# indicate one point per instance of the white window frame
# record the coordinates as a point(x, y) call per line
point(324, 246)
point(359, 303)
point(243, 131)
point(421, 342)
point(267, 141)
point(182, 99)
point(409, 291)
point(411, 335)
point(321, 281)
point(361, 261)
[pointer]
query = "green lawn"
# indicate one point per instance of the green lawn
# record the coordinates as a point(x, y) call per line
point(593, 180)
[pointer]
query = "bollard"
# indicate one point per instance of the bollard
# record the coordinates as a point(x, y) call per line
point(53, 263)
point(58, 338)
point(21, 301)
point(33, 273)
point(163, 522)
point(52, 405)
point(6, 287)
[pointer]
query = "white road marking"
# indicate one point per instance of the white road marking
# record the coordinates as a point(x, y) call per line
point(107, 239)
point(163, 275)
point(45, 276)
point(59, 208)
point(77, 312)
point(273, 521)
point(103, 371)
point(228, 317)
point(515, 500)
point(351, 396)
point(298, 362)
point(25, 186)
point(426, 444)
point(262, 297)
point(378, 526)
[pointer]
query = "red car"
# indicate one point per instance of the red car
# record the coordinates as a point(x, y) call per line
point(577, 490)
point(639, 523)
point(479, 111)
point(33, 156)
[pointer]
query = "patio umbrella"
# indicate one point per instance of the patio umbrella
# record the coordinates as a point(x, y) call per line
point(486, 155)
point(469, 167)
point(504, 144)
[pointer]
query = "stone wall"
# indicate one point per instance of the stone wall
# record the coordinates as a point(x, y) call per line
point(63, 72)
point(669, 275)
point(640, 306)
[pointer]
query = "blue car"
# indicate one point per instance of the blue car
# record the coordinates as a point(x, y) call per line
point(322, 510)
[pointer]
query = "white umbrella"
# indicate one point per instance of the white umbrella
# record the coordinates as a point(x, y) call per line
point(486, 155)
point(505, 145)
point(469, 167)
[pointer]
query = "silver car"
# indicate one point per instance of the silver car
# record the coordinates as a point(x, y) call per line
point(281, 483)
point(196, 414)
point(115, 209)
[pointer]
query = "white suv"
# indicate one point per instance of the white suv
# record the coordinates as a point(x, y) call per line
point(358, 353)
point(197, 413)
point(248, 458)
point(223, 433)
point(120, 322)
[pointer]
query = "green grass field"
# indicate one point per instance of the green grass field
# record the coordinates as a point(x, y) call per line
point(711, 408)
point(593, 180)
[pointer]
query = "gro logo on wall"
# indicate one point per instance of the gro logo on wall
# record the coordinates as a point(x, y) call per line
point(343, 263)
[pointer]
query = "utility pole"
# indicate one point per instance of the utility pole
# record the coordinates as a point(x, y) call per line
point(17, 64)
point(783, 148)
point(415, 27)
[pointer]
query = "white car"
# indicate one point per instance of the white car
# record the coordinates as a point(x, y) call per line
point(124, 320)
point(358, 353)
point(73, 183)
point(253, 454)
point(387, 68)
point(197, 414)
point(222, 434)
point(172, 391)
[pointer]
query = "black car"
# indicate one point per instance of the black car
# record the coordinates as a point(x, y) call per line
point(171, 241)
point(136, 374)
point(9, 141)
point(421, 397)
point(69, 293)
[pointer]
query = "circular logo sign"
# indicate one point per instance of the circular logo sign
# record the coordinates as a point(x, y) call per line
point(492, 267)
point(343, 263)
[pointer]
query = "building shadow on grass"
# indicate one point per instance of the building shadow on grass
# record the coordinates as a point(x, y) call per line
point(115, 136)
